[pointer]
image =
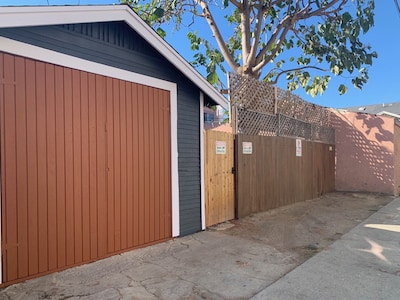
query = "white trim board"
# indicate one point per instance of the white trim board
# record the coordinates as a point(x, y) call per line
point(202, 161)
point(45, 55)
point(56, 15)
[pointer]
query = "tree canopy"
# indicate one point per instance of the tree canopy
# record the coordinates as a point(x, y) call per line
point(301, 41)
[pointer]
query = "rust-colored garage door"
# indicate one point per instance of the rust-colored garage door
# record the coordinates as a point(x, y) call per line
point(85, 166)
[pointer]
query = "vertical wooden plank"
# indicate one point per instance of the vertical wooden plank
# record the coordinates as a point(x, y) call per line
point(51, 168)
point(141, 165)
point(135, 162)
point(110, 166)
point(167, 166)
point(151, 168)
point(10, 171)
point(2, 167)
point(164, 113)
point(231, 181)
point(42, 166)
point(158, 131)
point(32, 168)
point(93, 167)
point(77, 156)
point(242, 178)
point(212, 192)
point(117, 164)
point(123, 151)
point(85, 165)
point(60, 160)
point(129, 164)
point(146, 159)
point(101, 166)
point(22, 179)
point(2, 170)
point(69, 172)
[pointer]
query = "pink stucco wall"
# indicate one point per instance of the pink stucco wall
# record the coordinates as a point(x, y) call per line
point(365, 159)
point(397, 160)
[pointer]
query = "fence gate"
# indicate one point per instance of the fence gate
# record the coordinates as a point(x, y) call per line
point(219, 179)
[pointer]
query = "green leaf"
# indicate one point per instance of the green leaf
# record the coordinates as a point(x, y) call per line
point(292, 85)
point(335, 70)
point(161, 32)
point(342, 89)
point(346, 17)
point(158, 12)
point(212, 77)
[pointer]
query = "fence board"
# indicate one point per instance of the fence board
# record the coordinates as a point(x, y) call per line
point(273, 176)
point(219, 182)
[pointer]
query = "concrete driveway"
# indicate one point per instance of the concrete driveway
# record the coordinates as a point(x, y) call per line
point(362, 264)
point(206, 265)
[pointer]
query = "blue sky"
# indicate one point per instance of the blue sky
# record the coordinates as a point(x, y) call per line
point(382, 87)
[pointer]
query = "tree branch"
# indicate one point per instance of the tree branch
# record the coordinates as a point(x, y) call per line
point(257, 33)
point(217, 35)
point(245, 28)
point(291, 70)
point(237, 4)
point(273, 38)
point(324, 10)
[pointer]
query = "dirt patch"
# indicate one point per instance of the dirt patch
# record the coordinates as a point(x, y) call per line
point(306, 228)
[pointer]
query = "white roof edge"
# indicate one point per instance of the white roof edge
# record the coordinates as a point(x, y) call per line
point(19, 16)
point(388, 113)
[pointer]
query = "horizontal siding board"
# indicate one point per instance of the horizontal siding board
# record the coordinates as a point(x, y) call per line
point(114, 44)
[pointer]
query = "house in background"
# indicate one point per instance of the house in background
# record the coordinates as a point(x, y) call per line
point(101, 126)
point(383, 109)
point(368, 148)
point(213, 117)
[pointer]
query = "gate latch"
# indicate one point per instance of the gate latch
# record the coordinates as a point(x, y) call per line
point(233, 170)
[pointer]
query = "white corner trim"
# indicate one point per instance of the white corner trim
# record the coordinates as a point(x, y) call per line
point(49, 56)
point(56, 15)
point(174, 162)
point(202, 157)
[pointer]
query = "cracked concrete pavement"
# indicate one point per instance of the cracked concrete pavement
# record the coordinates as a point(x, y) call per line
point(236, 263)
point(208, 264)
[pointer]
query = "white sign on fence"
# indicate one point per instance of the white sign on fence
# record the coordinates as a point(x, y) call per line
point(298, 147)
point(247, 147)
point(220, 147)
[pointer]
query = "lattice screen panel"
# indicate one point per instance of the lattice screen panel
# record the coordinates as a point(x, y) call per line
point(323, 134)
point(295, 107)
point(262, 109)
point(249, 93)
point(292, 127)
point(256, 123)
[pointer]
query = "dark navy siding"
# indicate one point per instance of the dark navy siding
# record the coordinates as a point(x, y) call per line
point(116, 44)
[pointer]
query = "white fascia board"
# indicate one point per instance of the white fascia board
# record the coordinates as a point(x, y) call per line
point(56, 15)
point(383, 113)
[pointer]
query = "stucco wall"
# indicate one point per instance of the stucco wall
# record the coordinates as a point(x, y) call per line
point(365, 158)
point(397, 160)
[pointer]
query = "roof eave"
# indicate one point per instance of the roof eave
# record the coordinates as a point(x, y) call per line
point(22, 16)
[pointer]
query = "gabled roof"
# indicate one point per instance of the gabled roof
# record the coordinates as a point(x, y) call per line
point(23, 16)
point(387, 109)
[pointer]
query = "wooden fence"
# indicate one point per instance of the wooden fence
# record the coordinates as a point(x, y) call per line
point(219, 179)
point(277, 171)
